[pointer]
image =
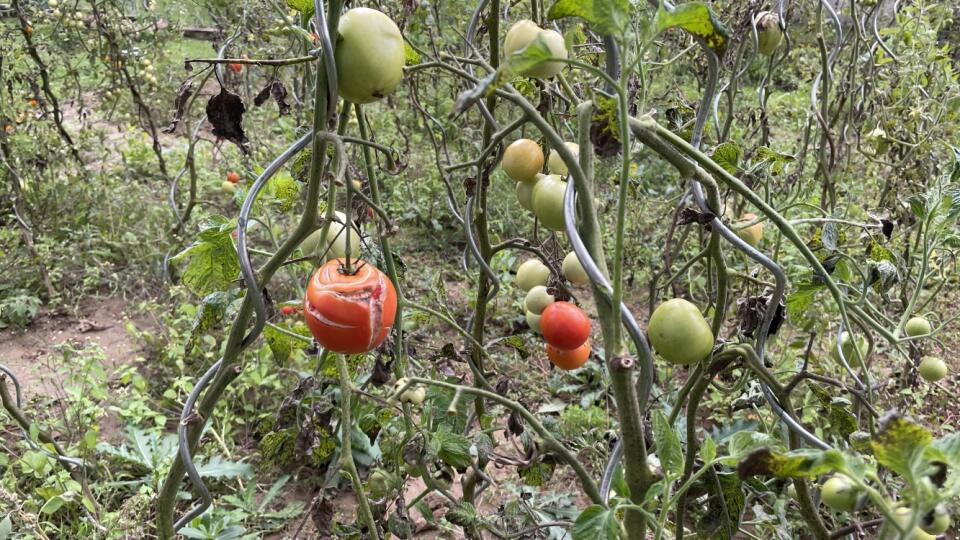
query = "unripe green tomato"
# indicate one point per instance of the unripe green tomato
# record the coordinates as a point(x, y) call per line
point(937, 521)
point(847, 344)
point(533, 321)
point(525, 194)
point(769, 34)
point(548, 201)
point(679, 333)
point(932, 369)
point(902, 515)
point(917, 326)
point(537, 300)
point(520, 34)
point(379, 483)
point(532, 273)
point(524, 32)
point(555, 163)
point(752, 234)
point(369, 55)
point(522, 160)
point(573, 270)
point(228, 187)
point(336, 239)
point(839, 494)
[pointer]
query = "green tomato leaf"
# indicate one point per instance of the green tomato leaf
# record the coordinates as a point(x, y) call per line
point(463, 514)
point(728, 156)
point(53, 505)
point(282, 344)
point(698, 19)
point(285, 190)
point(798, 463)
point(305, 7)
point(452, 448)
point(775, 160)
point(609, 17)
point(211, 311)
point(668, 445)
point(211, 263)
point(596, 523)
point(900, 444)
point(714, 523)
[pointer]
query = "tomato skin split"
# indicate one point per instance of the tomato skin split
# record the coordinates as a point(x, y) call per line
point(350, 313)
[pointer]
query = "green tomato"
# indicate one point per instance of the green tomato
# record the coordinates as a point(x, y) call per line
point(679, 333)
point(522, 160)
point(533, 321)
point(537, 300)
point(228, 187)
point(932, 369)
point(555, 163)
point(573, 270)
point(369, 55)
point(379, 483)
point(847, 344)
point(769, 34)
point(839, 494)
point(336, 238)
point(524, 32)
point(917, 326)
point(548, 201)
point(525, 194)
point(937, 521)
point(532, 273)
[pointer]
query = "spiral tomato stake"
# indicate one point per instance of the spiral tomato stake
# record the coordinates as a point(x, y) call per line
point(350, 313)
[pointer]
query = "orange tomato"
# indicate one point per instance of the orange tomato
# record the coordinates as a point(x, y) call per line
point(350, 313)
point(233, 177)
point(236, 68)
point(564, 325)
point(569, 359)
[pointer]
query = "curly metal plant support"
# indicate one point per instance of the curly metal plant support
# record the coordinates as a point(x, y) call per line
point(633, 328)
point(186, 417)
point(780, 277)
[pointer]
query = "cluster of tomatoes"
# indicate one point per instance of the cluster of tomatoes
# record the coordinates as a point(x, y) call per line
point(564, 326)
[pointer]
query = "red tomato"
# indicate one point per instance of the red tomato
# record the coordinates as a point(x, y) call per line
point(233, 177)
point(369, 213)
point(564, 325)
point(288, 310)
point(350, 313)
point(569, 359)
point(236, 68)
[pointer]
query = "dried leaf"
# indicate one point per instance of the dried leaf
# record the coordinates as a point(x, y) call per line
point(180, 105)
point(225, 112)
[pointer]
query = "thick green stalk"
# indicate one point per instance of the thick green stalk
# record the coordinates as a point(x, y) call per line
point(230, 369)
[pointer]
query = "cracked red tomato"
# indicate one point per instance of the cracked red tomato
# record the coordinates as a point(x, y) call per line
point(350, 313)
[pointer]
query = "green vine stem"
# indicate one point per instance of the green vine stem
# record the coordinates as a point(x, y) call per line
point(346, 448)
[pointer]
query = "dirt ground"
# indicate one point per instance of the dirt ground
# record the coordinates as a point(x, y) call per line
point(33, 355)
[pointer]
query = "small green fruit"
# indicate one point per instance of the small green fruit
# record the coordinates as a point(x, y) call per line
point(525, 193)
point(574, 271)
point(533, 321)
point(679, 333)
point(556, 164)
point(548, 202)
point(537, 300)
point(769, 34)
point(370, 55)
point(839, 494)
point(228, 187)
point(917, 326)
point(847, 344)
point(937, 521)
point(532, 273)
point(932, 369)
